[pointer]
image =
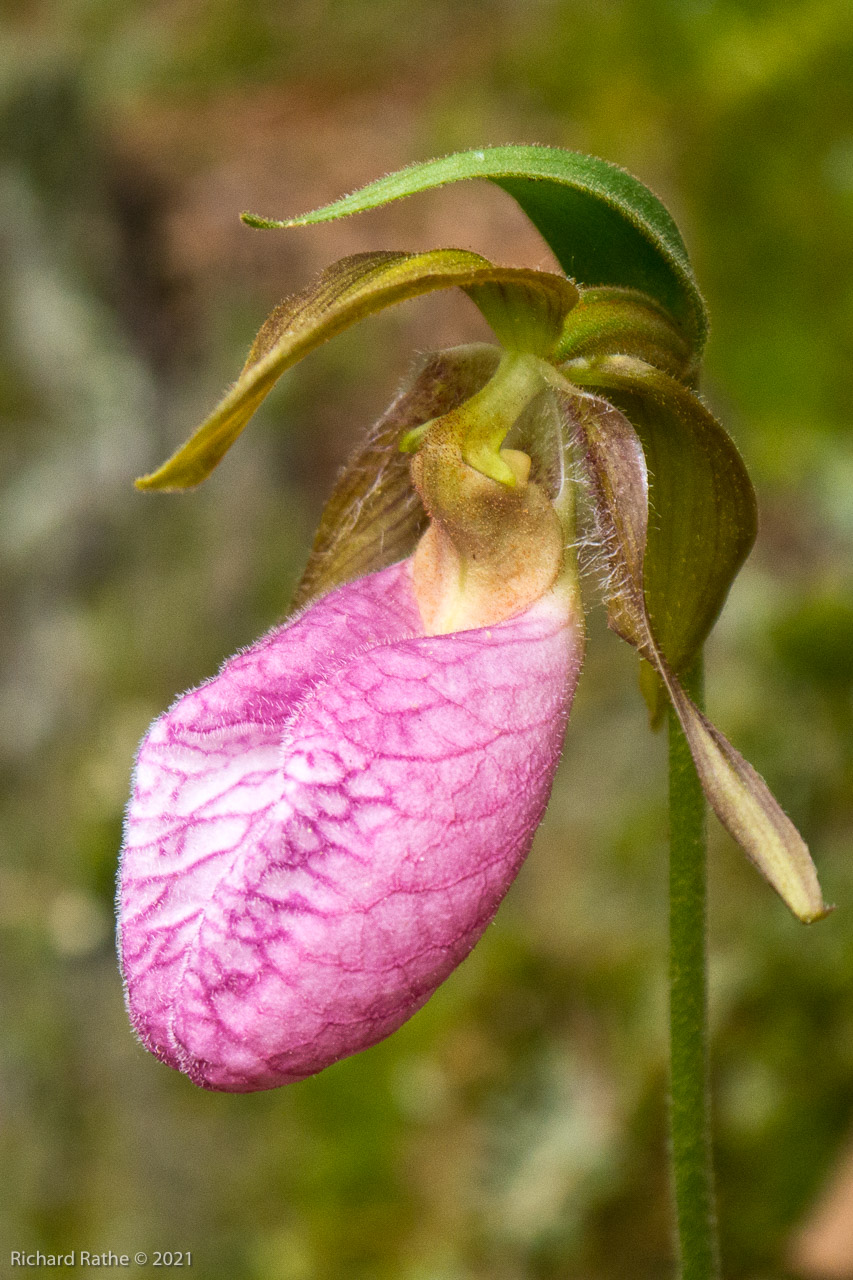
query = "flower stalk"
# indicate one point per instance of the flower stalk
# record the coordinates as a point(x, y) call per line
point(690, 1097)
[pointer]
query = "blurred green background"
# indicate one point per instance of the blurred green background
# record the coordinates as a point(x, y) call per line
point(516, 1127)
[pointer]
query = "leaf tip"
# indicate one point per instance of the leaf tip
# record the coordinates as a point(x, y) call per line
point(262, 224)
point(163, 481)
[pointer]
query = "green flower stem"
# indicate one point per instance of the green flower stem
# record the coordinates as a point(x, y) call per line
point(692, 1170)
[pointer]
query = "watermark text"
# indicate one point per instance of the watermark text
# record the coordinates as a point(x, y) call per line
point(88, 1258)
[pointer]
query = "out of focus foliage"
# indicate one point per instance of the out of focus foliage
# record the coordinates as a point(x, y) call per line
point(516, 1127)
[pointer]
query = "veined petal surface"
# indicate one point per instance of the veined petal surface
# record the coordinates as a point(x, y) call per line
point(319, 835)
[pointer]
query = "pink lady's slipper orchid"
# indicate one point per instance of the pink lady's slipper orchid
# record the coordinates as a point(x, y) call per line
point(318, 835)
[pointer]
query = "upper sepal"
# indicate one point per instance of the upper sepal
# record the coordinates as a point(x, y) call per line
point(523, 306)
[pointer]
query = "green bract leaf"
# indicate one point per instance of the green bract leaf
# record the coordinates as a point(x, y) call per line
point(347, 292)
point(738, 795)
point(603, 225)
point(703, 513)
point(374, 516)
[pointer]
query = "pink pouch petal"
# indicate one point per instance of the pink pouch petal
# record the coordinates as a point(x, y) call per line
point(321, 833)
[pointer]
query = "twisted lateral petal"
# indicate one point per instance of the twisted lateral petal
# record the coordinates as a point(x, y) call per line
point(320, 834)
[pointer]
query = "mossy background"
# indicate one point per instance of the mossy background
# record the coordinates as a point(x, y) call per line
point(515, 1128)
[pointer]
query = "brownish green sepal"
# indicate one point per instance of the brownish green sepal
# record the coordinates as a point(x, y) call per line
point(703, 513)
point(615, 463)
point(345, 293)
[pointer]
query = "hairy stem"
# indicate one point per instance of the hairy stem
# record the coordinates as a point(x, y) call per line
point(690, 1121)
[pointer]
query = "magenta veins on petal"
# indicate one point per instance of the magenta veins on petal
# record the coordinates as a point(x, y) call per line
point(320, 834)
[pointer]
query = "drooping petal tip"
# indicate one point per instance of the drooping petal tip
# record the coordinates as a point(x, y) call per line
point(319, 835)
